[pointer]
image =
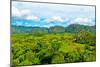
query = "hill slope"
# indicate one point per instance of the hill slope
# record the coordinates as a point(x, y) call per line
point(73, 28)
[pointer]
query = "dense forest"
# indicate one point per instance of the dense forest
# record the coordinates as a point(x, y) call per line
point(53, 45)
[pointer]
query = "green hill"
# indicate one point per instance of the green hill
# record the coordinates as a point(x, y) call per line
point(73, 28)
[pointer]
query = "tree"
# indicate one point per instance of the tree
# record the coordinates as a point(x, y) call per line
point(57, 29)
point(85, 37)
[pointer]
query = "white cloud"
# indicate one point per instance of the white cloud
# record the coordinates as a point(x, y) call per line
point(30, 17)
point(26, 23)
point(36, 25)
point(18, 23)
point(25, 12)
point(46, 26)
point(82, 21)
point(15, 11)
point(54, 19)
point(49, 25)
point(57, 18)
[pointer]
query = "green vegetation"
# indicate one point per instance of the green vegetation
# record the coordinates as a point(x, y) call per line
point(73, 28)
point(52, 48)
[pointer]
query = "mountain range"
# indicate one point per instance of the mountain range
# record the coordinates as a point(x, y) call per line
point(72, 28)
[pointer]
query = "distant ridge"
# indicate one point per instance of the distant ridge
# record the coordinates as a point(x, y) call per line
point(73, 28)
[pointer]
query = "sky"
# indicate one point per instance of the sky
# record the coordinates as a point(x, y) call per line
point(46, 15)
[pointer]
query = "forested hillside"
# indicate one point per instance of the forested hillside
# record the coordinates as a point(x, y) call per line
point(36, 45)
point(73, 28)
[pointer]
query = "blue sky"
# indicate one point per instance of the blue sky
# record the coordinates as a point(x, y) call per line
point(46, 15)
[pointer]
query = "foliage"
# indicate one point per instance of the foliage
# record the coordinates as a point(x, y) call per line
point(75, 28)
point(56, 29)
point(85, 37)
point(51, 48)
